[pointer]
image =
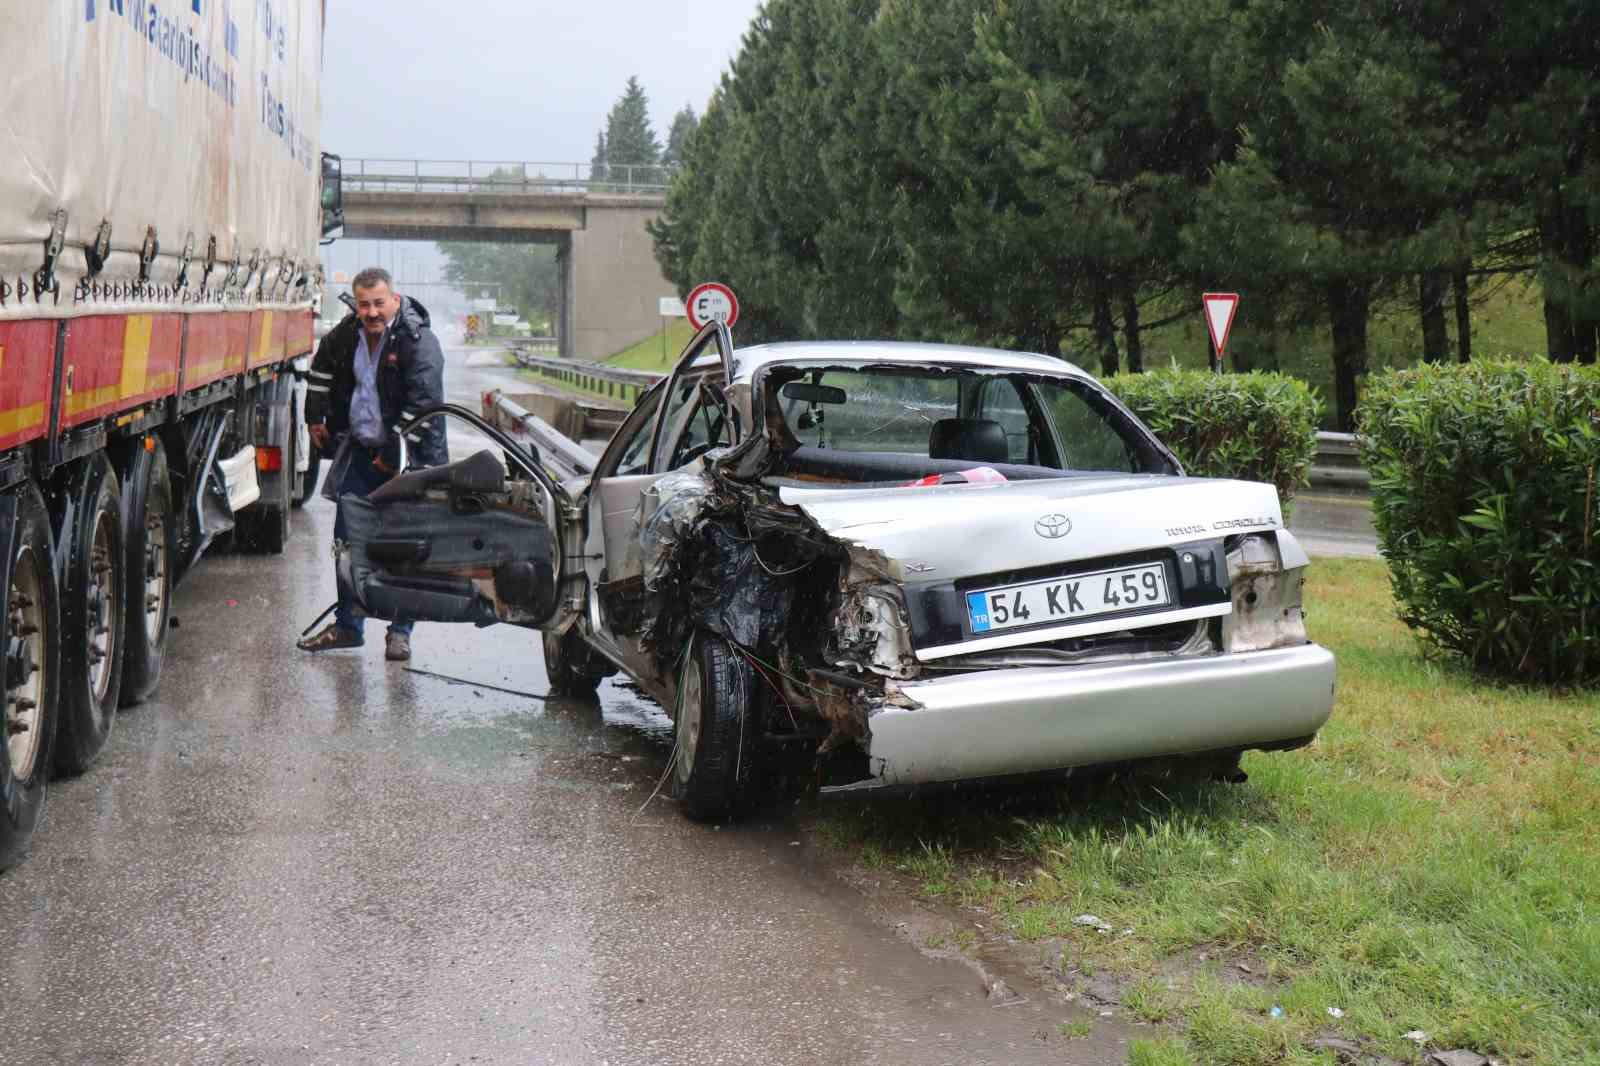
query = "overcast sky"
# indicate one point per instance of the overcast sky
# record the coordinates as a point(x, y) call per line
point(506, 81)
point(511, 79)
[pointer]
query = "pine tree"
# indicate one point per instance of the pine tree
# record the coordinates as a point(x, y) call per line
point(597, 165)
point(631, 145)
point(684, 124)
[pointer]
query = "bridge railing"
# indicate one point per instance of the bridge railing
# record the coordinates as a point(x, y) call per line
point(521, 178)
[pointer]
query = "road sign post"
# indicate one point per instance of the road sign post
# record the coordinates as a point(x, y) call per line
point(671, 307)
point(1219, 308)
point(710, 302)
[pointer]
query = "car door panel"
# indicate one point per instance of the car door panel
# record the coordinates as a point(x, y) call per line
point(463, 542)
point(427, 560)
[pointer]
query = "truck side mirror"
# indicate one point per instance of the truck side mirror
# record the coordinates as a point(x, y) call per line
point(332, 193)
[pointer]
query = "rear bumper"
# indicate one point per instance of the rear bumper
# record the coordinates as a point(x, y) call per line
point(999, 722)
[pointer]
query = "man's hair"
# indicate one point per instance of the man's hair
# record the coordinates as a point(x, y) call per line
point(371, 278)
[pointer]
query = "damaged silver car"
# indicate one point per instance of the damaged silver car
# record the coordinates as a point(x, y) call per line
point(882, 564)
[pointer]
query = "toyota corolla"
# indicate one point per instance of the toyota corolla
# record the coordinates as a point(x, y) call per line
point(890, 563)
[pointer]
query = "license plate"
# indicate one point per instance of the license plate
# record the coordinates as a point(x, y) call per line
point(1067, 599)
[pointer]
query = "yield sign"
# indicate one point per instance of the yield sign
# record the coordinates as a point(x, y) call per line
point(1220, 307)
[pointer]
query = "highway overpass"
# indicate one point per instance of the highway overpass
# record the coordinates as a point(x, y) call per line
point(610, 282)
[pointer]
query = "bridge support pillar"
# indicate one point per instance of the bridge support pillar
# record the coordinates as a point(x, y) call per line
point(612, 282)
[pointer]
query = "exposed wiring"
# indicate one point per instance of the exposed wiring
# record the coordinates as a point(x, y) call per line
point(677, 713)
point(778, 573)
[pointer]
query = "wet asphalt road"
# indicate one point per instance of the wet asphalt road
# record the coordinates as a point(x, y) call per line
point(293, 859)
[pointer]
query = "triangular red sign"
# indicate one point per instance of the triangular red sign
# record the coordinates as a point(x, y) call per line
point(1219, 308)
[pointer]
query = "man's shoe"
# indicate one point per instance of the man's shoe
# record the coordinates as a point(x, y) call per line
point(398, 648)
point(330, 637)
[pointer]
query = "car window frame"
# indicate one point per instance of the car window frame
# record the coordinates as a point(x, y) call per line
point(713, 335)
point(640, 420)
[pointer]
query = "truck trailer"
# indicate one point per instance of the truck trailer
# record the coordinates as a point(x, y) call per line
point(162, 195)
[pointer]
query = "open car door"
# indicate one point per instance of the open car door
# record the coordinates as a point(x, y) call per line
point(471, 541)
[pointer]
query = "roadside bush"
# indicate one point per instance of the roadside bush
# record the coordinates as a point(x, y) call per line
point(1255, 427)
point(1484, 496)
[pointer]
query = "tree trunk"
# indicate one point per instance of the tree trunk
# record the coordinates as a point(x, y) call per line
point(1347, 308)
point(1435, 336)
point(1580, 256)
point(1458, 282)
point(1130, 327)
point(1557, 291)
point(1105, 329)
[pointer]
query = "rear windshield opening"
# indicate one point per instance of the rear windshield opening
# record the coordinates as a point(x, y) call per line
point(888, 424)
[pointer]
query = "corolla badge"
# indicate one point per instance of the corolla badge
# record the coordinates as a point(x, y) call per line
point(1053, 526)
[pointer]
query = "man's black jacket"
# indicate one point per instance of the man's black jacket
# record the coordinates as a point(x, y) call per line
point(410, 377)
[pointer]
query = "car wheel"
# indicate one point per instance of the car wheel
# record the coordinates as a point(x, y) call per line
point(715, 741)
point(30, 657)
point(570, 665)
point(149, 529)
point(93, 619)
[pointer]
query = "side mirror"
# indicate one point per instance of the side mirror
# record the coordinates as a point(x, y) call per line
point(332, 193)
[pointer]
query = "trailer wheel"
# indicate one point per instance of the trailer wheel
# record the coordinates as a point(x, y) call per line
point(93, 618)
point(264, 527)
point(30, 657)
point(715, 741)
point(148, 533)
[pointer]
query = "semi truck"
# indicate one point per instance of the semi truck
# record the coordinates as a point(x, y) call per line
point(162, 195)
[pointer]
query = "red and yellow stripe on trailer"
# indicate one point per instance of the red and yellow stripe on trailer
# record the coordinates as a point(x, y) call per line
point(298, 339)
point(27, 367)
point(111, 363)
point(266, 338)
point(218, 342)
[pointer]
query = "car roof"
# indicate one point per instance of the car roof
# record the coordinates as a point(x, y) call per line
point(747, 361)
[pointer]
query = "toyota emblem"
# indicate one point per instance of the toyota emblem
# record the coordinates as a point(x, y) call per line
point(1053, 526)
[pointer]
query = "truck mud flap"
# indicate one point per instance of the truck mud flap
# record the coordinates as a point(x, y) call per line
point(213, 510)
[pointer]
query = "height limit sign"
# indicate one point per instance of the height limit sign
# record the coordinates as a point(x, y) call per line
point(1219, 308)
point(711, 302)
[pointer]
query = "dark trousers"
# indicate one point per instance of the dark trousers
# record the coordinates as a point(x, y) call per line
point(360, 478)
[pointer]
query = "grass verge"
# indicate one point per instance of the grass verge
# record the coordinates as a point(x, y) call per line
point(1430, 863)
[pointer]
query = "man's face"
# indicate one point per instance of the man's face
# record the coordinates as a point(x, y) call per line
point(376, 306)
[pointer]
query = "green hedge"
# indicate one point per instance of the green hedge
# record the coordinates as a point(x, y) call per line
point(1255, 427)
point(1484, 495)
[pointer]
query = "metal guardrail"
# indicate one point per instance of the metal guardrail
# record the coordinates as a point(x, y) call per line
point(570, 458)
point(1337, 466)
point(524, 178)
point(616, 381)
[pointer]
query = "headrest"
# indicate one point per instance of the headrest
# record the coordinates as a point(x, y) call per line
point(976, 439)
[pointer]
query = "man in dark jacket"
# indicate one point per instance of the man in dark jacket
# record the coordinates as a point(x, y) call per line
point(373, 371)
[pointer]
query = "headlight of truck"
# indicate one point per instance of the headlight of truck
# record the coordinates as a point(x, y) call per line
point(1267, 574)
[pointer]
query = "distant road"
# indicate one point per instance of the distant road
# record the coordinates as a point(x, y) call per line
point(1334, 524)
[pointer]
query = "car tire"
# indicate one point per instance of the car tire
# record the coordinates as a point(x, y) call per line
point(570, 665)
point(715, 742)
point(93, 617)
point(30, 660)
point(149, 539)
